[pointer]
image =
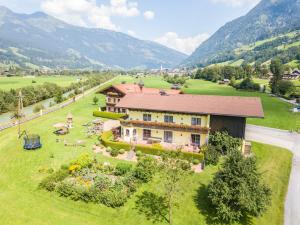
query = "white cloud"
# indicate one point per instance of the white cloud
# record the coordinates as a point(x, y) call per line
point(237, 3)
point(88, 13)
point(149, 15)
point(186, 45)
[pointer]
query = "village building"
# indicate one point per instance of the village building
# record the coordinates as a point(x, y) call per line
point(115, 93)
point(292, 76)
point(184, 120)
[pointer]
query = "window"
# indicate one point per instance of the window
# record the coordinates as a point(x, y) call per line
point(134, 132)
point(109, 99)
point(168, 119)
point(147, 117)
point(196, 139)
point(196, 121)
point(168, 136)
point(127, 132)
point(146, 134)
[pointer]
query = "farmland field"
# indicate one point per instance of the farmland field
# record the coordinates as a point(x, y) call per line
point(7, 83)
point(22, 203)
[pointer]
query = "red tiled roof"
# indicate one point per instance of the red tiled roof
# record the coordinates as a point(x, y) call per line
point(134, 88)
point(195, 104)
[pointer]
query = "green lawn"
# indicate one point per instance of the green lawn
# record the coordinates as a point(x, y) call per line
point(23, 204)
point(7, 83)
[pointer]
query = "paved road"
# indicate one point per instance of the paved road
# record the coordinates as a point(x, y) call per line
point(289, 141)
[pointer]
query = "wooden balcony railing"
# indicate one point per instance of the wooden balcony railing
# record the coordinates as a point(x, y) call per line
point(166, 126)
point(111, 103)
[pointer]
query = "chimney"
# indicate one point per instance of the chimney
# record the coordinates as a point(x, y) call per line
point(141, 85)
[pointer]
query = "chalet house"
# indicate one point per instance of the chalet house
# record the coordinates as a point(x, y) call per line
point(184, 120)
point(292, 76)
point(115, 93)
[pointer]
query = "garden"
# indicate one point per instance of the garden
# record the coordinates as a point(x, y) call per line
point(90, 180)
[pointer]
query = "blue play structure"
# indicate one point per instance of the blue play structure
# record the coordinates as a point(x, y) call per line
point(31, 142)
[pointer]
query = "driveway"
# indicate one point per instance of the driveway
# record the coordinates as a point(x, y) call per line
point(289, 141)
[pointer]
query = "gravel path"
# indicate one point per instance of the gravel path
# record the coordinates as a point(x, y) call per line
point(289, 141)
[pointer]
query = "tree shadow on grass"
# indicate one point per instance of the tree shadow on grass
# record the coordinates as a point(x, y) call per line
point(153, 206)
point(206, 209)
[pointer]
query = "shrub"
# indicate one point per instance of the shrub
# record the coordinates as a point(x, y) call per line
point(122, 168)
point(145, 169)
point(102, 182)
point(50, 182)
point(297, 100)
point(37, 108)
point(114, 152)
point(109, 115)
point(71, 95)
point(121, 151)
point(106, 139)
point(130, 182)
point(286, 87)
point(95, 100)
point(195, 161)
point(83, 161)
point(108, 149)
point(157, 145)
point(211, 155)
point(65, 188)
point(113, 198)
point(139, 153)
point(248, 84)
point(224, 143)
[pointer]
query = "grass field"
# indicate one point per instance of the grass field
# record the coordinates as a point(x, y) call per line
point(23, 204)
point(7, 83)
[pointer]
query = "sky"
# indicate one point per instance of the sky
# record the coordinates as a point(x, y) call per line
point(179, 24)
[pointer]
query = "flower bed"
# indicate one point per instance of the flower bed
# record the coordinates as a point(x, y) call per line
point(107, 140)
point(86, 179)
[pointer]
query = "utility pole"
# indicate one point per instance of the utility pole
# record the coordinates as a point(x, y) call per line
point(20, 112)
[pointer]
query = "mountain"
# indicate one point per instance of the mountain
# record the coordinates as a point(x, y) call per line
point(39, 40)
point(269, 18)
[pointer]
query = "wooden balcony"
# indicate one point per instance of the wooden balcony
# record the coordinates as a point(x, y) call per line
point(111, 103)
point(166, 126)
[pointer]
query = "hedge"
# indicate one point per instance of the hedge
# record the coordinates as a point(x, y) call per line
point(107, 142)
point(109, 115)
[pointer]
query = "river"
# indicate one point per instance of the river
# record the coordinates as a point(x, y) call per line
point(28, 110)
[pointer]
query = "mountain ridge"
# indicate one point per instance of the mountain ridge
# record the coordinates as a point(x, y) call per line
point(49, 42)
point(268, 18)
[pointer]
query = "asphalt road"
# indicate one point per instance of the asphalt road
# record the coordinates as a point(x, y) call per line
point(289, 141)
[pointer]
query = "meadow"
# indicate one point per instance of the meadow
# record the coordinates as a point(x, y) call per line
point(7, 83)
point(22, 203)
